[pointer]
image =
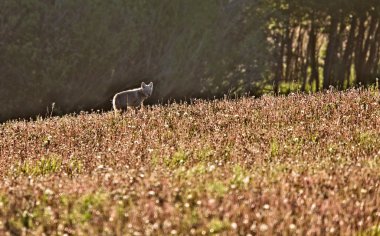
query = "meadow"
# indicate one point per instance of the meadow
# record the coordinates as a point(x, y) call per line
point(302, 164)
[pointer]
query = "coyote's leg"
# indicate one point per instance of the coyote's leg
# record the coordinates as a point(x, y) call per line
point(134, 110)
point(117, 112)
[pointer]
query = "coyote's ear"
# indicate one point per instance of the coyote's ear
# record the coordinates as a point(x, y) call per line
point(143, 84)
point(150, 84)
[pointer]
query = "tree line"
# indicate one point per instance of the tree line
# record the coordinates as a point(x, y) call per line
point(77, 54)
point(327, 43)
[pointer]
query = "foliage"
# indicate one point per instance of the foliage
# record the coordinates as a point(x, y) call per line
point(78, 54)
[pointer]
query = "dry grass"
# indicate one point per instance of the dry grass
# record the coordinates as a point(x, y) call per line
point(302, 164)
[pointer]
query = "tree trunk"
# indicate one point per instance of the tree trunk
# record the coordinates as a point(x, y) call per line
point(300, 59)
point(370, 37)
point(330, 53)
point(312, 52)
point(359, 57)
point(304, 64)
point(345, 67)
point(377, 60)
point(372, 54)
point(279, 66)
point(289, 52)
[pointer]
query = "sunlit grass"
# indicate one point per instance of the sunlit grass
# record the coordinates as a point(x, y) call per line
point(273, 165)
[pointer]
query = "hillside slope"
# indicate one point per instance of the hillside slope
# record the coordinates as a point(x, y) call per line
point(299, 164)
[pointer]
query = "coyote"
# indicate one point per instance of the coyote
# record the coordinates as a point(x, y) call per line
point(132, 98)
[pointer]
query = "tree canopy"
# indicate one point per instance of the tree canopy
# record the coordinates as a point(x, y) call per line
point(77, 54)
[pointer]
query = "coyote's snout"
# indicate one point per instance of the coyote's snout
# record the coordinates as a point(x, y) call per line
point(132, 98)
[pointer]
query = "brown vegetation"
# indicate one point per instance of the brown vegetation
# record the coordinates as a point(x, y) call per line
point(301, 164)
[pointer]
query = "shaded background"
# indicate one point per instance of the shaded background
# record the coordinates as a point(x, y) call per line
point(77, 54)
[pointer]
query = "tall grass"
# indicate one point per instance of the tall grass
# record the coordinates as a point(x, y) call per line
point(300, 164)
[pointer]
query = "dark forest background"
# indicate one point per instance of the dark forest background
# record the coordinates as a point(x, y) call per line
point(77, 54)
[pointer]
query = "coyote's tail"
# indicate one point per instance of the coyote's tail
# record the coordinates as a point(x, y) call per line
point(114, 102)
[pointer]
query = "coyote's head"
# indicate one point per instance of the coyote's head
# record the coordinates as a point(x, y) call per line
point(147, 89)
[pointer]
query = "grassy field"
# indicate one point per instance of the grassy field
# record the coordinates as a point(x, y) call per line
point(301, 164)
